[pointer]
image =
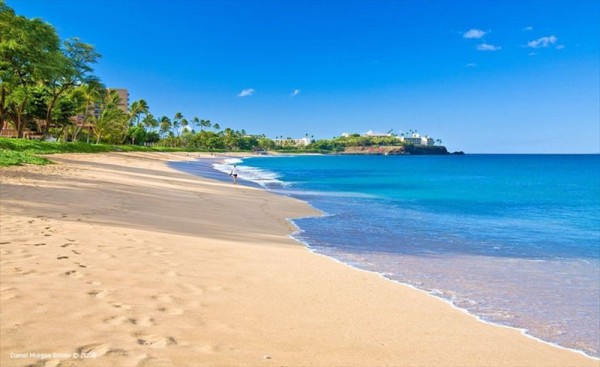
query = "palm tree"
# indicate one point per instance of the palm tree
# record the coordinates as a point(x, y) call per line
point(111, 123)
point(184, 125)
point(136, 110)
point(196, 122)
point(150, 122)
point(206, 123)
point(176, 122)
point(92, 93)
point(165, 126)
point(217, 127)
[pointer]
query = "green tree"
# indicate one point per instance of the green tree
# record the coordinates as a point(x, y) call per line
point(150, 122)
point(28, 53)
point(205, 123)
point(65, 107)
point(165, 126)
point(266, 143)
point(92, 93)
point(195, 122)
point(231, 138)
point(184, 125)
point(136, 134)
point(71, 67)
point(112, 122)
point(177, 123)
point(136, 110)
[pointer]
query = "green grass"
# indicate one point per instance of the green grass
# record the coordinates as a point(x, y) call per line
point(16, 158)
point(22, 151)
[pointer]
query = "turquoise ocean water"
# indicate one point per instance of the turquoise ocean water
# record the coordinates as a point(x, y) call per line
point(513, 239)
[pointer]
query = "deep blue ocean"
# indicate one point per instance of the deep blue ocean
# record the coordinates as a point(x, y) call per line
point(513, 239)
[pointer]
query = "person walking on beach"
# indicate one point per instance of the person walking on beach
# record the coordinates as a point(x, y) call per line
point(234, 174)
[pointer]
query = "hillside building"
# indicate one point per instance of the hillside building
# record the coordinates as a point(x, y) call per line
point(292, 142)
point(417, 139)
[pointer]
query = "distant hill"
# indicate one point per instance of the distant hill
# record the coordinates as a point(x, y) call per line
point(398, 150)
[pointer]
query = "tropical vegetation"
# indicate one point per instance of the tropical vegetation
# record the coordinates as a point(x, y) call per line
point(48, 92)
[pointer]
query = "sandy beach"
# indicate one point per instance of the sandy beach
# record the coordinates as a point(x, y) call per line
point(118, 260)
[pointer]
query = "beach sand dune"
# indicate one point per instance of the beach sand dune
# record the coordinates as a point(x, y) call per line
point(118, 260)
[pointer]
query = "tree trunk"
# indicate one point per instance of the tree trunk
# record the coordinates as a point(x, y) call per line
point(60, 134)
point(49, 117)
point(19, 126)
point(2, 99)
point(77, 131)
point(19, 123)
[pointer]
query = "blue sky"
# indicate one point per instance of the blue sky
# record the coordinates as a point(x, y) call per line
point(483, 76)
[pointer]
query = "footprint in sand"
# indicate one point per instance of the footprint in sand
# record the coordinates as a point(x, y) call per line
point(73, 274)
point(97, 350)
point(117, 352)
point(98, 294)
point(165, 298)
point(155, 341)
point(120, 320)
point(116, 320)
point(143, 321)
point(62, 257)
point(171, 311)
point(76, 252)
point(120, 305)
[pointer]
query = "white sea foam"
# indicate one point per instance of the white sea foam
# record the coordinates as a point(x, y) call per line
point(260, 176)
point(340, 194)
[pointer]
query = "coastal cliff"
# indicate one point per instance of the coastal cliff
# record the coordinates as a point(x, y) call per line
point(398, 150)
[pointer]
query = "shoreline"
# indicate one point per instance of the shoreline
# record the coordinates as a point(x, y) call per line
point(523, 331)
point(210, 276)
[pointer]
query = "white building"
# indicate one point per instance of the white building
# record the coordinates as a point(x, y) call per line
point(372, 134)
point(293, 142)
point(417, 139)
